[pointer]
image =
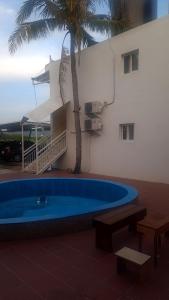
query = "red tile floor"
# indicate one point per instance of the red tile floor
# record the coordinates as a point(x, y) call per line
point(69, 267)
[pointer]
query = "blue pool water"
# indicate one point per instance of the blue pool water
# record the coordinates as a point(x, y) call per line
point(52, 198)
point(60, 206)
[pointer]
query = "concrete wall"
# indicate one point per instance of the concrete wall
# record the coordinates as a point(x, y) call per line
point(58, 121)
point(141, 97)
point(58, 118)
point(53, 68)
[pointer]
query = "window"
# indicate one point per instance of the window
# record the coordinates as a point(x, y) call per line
point(131, 61)
point(127, 131)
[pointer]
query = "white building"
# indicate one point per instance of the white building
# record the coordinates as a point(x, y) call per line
point(129, 76)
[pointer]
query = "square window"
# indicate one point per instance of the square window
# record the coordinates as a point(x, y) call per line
point(134, 61)
point(127, 131)
point(131, 61)
point(131, 131)
point(127, 59)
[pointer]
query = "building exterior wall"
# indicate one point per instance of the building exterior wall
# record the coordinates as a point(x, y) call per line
point(58, 122)
point(140, 97)
point(58, 117)
point(53, 68)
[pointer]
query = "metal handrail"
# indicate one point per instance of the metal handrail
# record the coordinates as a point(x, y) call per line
point(52, 142)
point(30, 153)
point(41, 141)
point(43, 154)
point(30, 149)
point(51, 152)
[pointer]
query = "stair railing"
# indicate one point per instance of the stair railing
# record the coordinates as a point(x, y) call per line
point(51, 152)
point(38, 157)
point(30, 153)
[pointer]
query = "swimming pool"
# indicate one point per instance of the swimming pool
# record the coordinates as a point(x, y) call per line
point(46, 204)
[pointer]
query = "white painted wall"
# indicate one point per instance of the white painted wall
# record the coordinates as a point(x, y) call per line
point(53, 68)
point(55, 95)
point(142, 97)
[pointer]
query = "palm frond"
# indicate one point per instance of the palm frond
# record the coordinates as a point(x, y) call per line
point(50, 9)
point(92, 4)
point(26, 10)
point(103, 23)
point(45, 8)
point(31, 31)
point(111, 4)
point(87, 40)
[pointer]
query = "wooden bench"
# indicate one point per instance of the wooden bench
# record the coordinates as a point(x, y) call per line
point(114, 220)
point(127, 256)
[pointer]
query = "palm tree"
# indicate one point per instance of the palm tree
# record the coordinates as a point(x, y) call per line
point(74, 16)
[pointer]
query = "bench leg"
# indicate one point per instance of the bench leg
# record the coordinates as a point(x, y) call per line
point(104, 239)
point(159, 242)
point(140, 273)
point(140, 243)
point(156, 243)
point(121, 265)
point(132, 227)
point(167, 234)
point(144, 272)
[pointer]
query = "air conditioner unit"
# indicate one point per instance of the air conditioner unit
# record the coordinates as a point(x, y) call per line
point(95, 107)
point(93, 124)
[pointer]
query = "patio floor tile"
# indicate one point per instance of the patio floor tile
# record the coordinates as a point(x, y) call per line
point(69, 267)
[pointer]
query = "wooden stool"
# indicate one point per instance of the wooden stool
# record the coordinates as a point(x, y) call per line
point(154, 225)
point(127, 256)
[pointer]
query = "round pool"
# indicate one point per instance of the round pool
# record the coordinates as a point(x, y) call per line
point(32, 207)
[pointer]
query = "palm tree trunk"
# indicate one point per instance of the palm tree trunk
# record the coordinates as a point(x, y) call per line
point(77, 168)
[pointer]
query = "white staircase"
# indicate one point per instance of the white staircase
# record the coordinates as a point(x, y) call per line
point(40, 156)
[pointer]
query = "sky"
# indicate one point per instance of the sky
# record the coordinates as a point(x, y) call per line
point(17, 95)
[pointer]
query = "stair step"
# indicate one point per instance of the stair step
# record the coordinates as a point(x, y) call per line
point(48, 154)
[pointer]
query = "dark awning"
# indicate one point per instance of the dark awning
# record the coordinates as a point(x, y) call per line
point(42, 78)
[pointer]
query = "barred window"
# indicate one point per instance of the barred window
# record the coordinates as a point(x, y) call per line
point(131, 61)
point(127, 131)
